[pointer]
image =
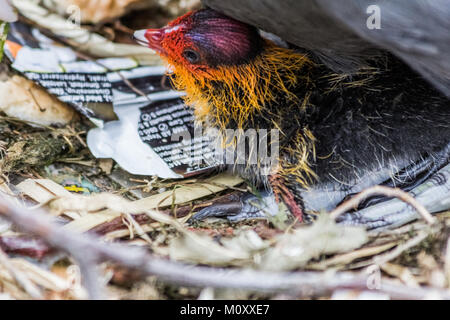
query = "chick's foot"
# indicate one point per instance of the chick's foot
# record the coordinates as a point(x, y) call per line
point(248, 207)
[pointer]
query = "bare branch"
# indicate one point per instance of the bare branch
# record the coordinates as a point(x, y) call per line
point(88, 251)
point(21, 279)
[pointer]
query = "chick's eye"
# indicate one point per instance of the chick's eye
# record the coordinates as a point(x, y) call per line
point(191, 56)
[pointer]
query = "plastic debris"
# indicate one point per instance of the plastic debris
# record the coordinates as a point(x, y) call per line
point(3, 33)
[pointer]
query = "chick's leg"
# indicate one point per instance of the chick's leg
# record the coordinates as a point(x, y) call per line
point(281, 191)
point(253, 207)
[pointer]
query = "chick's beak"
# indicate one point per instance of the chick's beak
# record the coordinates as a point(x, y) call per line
point(151, 38)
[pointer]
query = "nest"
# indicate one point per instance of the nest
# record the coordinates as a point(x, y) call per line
point(62, 209)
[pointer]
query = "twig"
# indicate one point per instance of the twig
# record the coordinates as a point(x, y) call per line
point(391, 255)
point(88, 251)
point(447, 262)
point(136, 226)
point(387, 192)
point(401, 248)
point(122, 77)
point(87, 259)
point(20, 278)
point(119, 26)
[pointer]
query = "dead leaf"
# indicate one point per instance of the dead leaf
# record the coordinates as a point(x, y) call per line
point(106, 165)
point(201, 249)
point(294, 250)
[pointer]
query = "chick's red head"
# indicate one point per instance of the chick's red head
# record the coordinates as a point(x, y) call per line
point(203, 40)
point(227, 70)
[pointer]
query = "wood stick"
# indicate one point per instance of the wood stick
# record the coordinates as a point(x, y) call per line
point(88, 251)
point(385, 191)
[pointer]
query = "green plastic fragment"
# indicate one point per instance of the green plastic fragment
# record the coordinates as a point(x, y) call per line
point(3, 34)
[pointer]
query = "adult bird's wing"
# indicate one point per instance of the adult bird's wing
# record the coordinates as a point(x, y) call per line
point(343, 34)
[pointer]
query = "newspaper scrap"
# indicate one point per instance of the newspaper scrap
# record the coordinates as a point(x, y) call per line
point(79, 83)
point(142, 122)
point(145, 140)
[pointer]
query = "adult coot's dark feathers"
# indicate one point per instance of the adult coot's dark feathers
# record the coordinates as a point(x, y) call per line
point(417, 31)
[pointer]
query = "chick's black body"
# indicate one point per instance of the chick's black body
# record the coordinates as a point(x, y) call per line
point(384, 124)
point(393, 116)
